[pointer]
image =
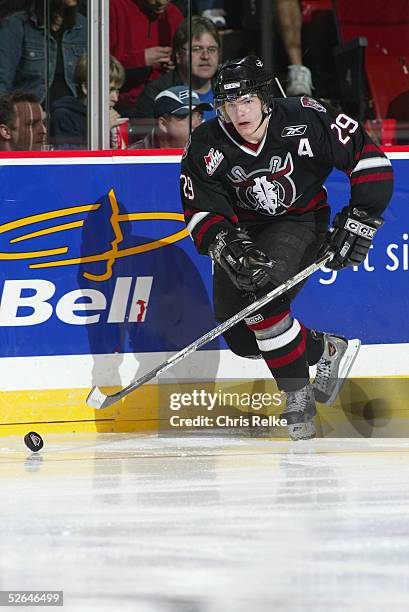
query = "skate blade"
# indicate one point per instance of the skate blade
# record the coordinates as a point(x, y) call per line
point(346, 364)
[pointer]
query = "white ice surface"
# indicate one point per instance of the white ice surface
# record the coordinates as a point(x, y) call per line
point(207, 524)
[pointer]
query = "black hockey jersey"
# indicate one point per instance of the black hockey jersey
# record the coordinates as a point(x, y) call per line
point(225, 181)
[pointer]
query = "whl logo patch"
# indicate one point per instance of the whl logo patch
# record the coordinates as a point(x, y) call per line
point(293, 130)
point(213, 160)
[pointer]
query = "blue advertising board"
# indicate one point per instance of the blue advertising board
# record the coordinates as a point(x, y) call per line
point(95, 258)
point(371, 301)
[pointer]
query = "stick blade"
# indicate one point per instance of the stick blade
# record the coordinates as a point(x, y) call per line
point(96, 399)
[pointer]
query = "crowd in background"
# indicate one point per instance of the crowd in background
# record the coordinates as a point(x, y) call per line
point(149, 66)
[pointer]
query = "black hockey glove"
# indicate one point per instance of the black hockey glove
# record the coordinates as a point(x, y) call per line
point(243, 262)
point(350, 237)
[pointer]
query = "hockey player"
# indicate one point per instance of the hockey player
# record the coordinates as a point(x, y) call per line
point(252, 188)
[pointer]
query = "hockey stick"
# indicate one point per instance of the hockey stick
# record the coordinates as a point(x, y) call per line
point(97, 399)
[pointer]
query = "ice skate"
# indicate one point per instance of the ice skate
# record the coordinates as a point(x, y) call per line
point(333, 367)
point(300, 411)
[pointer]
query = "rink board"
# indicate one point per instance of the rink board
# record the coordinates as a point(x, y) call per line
point(100, 283)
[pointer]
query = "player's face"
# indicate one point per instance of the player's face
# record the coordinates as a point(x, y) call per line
point(177, 129)
point(31, 130)
point(157, 7)
point(245, 113)
point(205, 56)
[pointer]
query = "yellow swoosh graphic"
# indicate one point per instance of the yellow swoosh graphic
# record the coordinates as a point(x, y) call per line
point(114, 244)
point(54, 214)
point(161, 216)
point(14, 256)
point(50, 230)
point(110, 256)
point(142, 248)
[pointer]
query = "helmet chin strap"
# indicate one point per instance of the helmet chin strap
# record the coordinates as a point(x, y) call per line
point(264, 116)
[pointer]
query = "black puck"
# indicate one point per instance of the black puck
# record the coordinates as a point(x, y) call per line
point(33, 441)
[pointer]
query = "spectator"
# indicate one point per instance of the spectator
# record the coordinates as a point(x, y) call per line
point(205, 59)
point(22, 48)
point(289, 22)
point(171, 109)
point(31, 130)
point(141, 33)
point(68, 124)
point(8, 127)
point(21, 123)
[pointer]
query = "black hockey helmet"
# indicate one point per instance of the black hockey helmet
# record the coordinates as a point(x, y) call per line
point(240, 77)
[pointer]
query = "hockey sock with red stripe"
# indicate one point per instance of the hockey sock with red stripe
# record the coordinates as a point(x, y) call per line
point(282, 343)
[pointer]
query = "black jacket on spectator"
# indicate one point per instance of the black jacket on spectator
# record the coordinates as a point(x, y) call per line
point(144, 102)
point(68, 124)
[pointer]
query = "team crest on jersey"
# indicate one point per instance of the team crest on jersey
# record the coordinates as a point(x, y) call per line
point(293, 130)
point(213, 160)
point(270, 191)
point(311, 103)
